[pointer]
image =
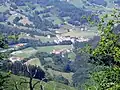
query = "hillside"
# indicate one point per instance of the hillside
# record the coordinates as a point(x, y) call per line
point(52, 39)
point(14, 81)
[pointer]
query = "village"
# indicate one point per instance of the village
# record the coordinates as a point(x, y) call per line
point(59, 40)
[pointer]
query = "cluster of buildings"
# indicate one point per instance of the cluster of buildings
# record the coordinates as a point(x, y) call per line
point(65, 0)
point(61, 51)
point(68, 38)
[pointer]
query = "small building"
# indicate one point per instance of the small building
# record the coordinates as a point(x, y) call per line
point(57, 32)
point(20, 44)
point(82, 29)
point(48, 36)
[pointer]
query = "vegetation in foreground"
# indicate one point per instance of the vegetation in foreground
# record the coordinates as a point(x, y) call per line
point(106, 56)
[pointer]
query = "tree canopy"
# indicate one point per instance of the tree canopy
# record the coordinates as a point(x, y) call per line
point(106, 56)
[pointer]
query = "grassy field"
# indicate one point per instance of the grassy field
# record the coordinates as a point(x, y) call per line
point(79, 34)
point(55, 20)
point(25, 53)
point(71, 55)
point(3, 8)
point(68, 76)
point(34, 61)
point(51, 48)
point(45, 39)
point(77, 3)
point(47, 86)
point(38, 8)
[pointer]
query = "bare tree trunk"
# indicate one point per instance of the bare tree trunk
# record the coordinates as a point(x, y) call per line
point(30, 84)
point(41, 87)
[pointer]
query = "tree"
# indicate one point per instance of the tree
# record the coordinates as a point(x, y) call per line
point(107, 51)
point(3, 80)
point(106, 56)
point(31, 76)
point(3, 77)
point(15, 21)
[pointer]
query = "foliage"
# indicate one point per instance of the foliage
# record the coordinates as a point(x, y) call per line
point(3, 42)
point(108, 49)
point(4, 80)
point(107, 55)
